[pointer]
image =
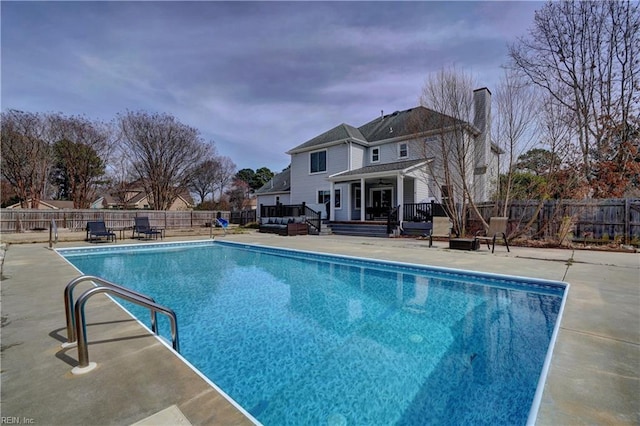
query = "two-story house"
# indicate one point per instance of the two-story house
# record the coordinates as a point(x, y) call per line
point(359, 173)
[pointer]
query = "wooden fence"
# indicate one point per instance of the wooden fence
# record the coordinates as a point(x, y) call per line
point(19, 220)
point(598, 220)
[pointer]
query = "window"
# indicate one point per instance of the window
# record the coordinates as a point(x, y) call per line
point(403, 150)
point(357, 198)
point(318, 162)
point(323, 196)
point(336, 199)
point(375, 155)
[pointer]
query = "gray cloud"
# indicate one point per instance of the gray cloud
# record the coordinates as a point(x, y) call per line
point(256, 77)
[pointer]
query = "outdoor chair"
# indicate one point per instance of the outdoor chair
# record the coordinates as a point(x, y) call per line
point(97, 230)
point(142, 227)
point(497, 228)
point(223, 223)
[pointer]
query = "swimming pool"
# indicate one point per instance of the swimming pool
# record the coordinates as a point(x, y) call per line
point(301, 338)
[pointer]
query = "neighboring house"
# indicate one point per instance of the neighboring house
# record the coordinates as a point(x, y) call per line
point(357, 174)
point(133, 197)
point(47, 205)
point(276, 191)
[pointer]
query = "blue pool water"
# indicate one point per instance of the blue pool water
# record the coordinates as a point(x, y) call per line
point(299, 338)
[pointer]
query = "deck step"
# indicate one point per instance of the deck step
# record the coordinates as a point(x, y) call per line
point(359, 229)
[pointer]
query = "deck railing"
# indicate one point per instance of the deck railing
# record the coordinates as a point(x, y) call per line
point(313, 218)
point(422, 212)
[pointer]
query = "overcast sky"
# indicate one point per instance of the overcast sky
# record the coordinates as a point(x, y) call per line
point(255, 78)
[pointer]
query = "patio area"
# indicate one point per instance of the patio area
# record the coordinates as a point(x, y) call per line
point(594, 376)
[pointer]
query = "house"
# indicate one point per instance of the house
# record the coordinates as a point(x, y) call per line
point(359, 173)
point(133, 196)
point(47, 205)
point(277, 190)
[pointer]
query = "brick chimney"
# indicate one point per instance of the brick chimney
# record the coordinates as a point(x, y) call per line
point(482, 145)
point(482, 121)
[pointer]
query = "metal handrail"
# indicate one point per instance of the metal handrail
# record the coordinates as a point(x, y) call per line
point(53, 233)
point(81, 326)
point(68, 303)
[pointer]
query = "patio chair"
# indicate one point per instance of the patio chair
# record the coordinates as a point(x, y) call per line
point(497, 227)
point(142, 227)
point(97, 230)
point(223, 223)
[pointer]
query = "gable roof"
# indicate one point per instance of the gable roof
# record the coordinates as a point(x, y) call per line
point(400, 124)
point(385, 168)
point(277, 184)
point(334, 136)
point(50, 204)
point(406, 123)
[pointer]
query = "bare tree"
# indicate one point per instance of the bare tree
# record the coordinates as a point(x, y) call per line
point(205, 177)
point(225, 172)
point(450, 93)
point(164, 153)
point(586, 56)
point(26, 154)
point(238, 194)
point(515, 125)
point(80, 148)
point(120, 175)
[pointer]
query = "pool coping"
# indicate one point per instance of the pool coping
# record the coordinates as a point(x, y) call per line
point(593, 378)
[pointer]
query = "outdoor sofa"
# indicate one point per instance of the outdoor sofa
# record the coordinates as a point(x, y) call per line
point(288, 225)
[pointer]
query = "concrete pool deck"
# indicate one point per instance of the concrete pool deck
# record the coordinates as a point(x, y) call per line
point(594, 377)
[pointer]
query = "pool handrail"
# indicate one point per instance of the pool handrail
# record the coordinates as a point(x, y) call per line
point(53, 233)
point(84, 366)
point(68, 303)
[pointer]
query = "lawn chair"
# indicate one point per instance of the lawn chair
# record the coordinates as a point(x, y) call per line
point(97, 230)
point(497, 227)
point(223, 223)
point(142, 227)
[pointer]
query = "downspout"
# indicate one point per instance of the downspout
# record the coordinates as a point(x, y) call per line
point(400, 192)
point(332, 204)
point(362, 200)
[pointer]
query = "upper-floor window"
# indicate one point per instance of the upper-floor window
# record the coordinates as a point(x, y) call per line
point(318, 162)
point(375, 155)
point(403, 150)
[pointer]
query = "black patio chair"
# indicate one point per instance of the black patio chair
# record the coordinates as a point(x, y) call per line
point(97, 230)
point(142, 227)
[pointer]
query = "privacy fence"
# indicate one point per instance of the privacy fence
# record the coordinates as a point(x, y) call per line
point(597, 220)
point(20, 220)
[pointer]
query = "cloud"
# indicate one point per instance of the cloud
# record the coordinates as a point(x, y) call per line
point(256, 77)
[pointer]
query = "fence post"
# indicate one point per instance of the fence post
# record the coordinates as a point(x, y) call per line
point(627, 221)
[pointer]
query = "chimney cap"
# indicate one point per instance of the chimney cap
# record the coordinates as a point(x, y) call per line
point(482, 88)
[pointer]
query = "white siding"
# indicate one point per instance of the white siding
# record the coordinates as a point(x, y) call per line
point(408, 190)
point(270, 199)
point(343, 212)
point(305, 186)
point(358, 156)
point(422, 192)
